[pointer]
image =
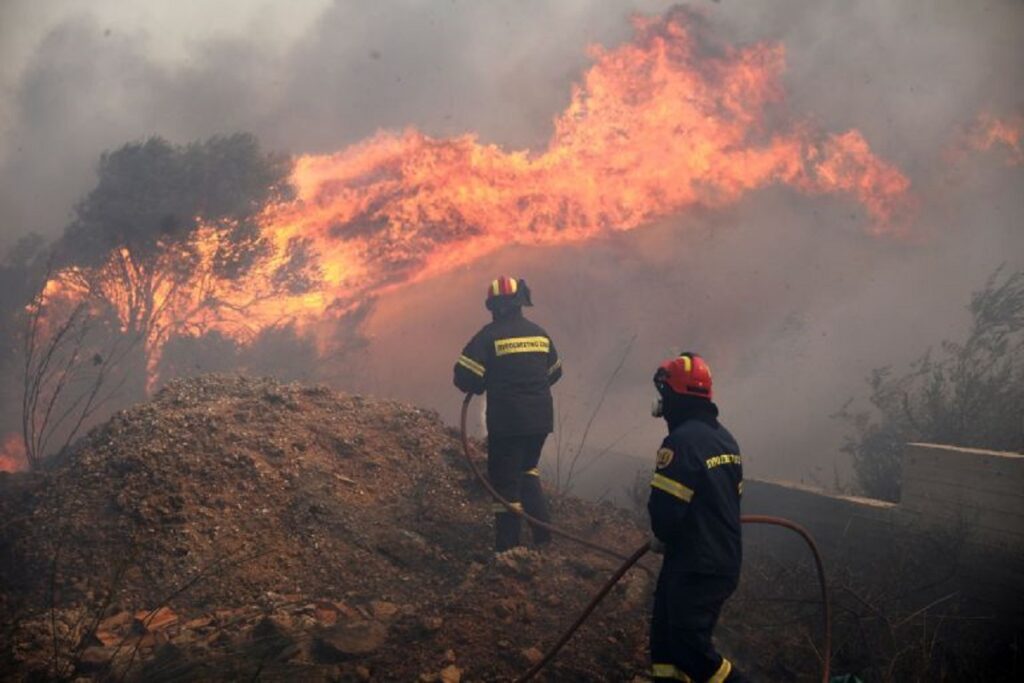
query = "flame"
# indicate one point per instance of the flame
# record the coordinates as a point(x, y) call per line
point(670, 120)
point(989, 131)
point(12, 453)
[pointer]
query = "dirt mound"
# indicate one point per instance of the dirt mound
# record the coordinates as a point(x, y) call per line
point(239, 527)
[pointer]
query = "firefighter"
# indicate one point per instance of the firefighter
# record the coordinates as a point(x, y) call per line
point(515, 362)
point(694, 507)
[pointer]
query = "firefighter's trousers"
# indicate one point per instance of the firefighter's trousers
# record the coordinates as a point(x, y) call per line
point(512, 468)
point(686, 609)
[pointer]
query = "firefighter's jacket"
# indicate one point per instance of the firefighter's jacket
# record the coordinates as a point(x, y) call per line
point(515, 362)
point(695, 498)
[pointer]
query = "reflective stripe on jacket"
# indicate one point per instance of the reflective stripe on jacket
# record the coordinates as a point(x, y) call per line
point(695, 498)
point(515, 362)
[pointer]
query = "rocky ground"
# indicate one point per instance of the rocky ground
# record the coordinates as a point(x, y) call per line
point(239, 528)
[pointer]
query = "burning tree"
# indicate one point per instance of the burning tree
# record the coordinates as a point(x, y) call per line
point(969, 393)
point(167, 227)
point(167, 240)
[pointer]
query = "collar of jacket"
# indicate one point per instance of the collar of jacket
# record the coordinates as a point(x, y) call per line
point(507, 313)
point(684, 408)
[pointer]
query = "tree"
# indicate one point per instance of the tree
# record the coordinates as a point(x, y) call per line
point(156, 248)
point(159, 213)
point(966, 393)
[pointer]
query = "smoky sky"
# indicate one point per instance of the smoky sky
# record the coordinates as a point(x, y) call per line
point(501, 69)
point(789, 298)
point(80, 81)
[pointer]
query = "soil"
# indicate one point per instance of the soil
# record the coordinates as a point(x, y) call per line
point(241, 528)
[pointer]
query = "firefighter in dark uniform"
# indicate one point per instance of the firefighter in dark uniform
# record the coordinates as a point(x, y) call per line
point(515, 362)
point(694, 506)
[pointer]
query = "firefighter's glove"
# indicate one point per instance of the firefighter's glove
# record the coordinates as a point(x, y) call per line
point(657, 547)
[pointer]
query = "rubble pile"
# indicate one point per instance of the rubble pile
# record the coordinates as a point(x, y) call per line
point(235, 527)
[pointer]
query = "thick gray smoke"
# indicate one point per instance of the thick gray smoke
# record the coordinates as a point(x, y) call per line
point(787, 296)
point(90, 80)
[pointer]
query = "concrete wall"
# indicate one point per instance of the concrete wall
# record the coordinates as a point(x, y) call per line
point(961, 514)
point(966, 490)
point(836, 522)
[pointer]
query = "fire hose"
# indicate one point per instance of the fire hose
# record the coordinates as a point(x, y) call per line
point(632, 559)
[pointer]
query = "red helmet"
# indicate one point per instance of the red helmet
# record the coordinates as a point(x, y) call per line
point(687, 375)
point(508, 290)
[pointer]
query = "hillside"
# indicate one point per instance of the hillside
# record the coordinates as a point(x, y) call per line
point(240, 528)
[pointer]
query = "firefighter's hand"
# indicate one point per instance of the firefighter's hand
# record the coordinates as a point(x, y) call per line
point(657, 547)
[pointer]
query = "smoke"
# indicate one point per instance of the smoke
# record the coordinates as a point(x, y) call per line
point(785, 295)
point(93, 80)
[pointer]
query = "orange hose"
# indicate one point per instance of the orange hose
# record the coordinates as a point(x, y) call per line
point(826, 603)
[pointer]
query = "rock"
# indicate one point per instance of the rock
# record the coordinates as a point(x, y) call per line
point(108, 638)
point(450, 674)
point(383, 610)
point(350, 639)
point(155, 620)
point(532, 655)
point(325, 617)
point(338, 606)
point(116, 621)
point(198, 622)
